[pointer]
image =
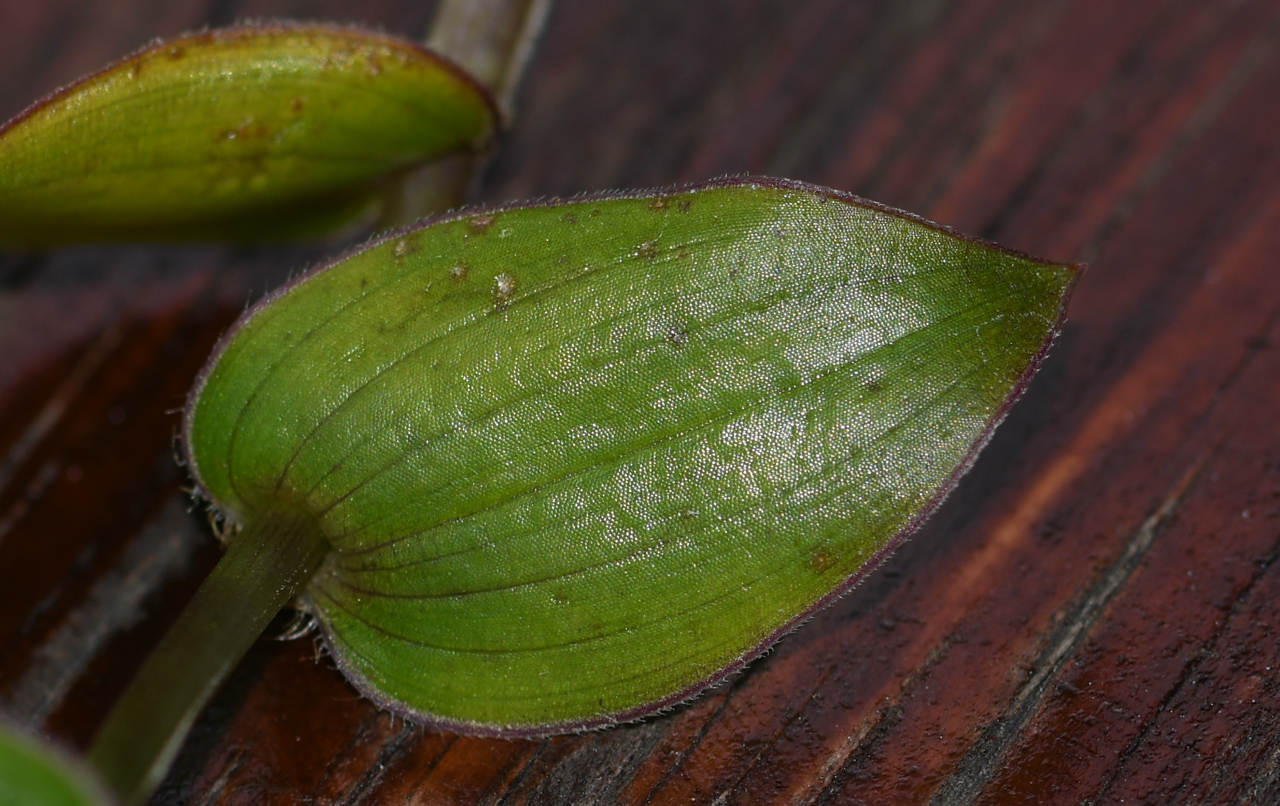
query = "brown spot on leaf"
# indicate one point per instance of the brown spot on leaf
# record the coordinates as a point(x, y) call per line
point(480, 224)
point(569, 218)
point(658, 204)
point(821, 560)
point(297, 105)
point(408, 245)
point(176, 52)
point(459, 272)
point(504, 290)
point(647, 250)
point(684, 206)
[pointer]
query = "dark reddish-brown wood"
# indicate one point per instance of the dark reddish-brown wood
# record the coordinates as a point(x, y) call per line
point(1090, 619)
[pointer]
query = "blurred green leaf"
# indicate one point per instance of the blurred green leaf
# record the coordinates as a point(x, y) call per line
point(267, 131)
point(33, 773)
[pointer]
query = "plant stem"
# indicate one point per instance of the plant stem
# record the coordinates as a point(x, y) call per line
point(266, 565)
point(493, 40)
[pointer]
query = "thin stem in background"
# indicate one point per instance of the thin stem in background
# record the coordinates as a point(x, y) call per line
point(494, 41)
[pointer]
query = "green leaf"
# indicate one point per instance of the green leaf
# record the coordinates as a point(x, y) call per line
point(243, 133)
point(33, 773)
point(578, 460)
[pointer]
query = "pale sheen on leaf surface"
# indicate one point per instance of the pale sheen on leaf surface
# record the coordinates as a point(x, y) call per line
point(577, 460)
point(267, 131)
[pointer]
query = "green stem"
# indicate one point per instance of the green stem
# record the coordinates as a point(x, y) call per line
point(266, 565)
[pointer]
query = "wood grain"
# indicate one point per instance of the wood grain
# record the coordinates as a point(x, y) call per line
point(1090, 618)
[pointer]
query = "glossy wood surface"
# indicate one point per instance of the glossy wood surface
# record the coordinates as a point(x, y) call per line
point(1089, 619)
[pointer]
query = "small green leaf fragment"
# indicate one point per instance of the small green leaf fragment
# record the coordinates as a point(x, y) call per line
point(244, 133)
point(579, 460)
point(35, 774)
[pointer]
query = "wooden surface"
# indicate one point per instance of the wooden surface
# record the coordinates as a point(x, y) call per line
point(1090, 618)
